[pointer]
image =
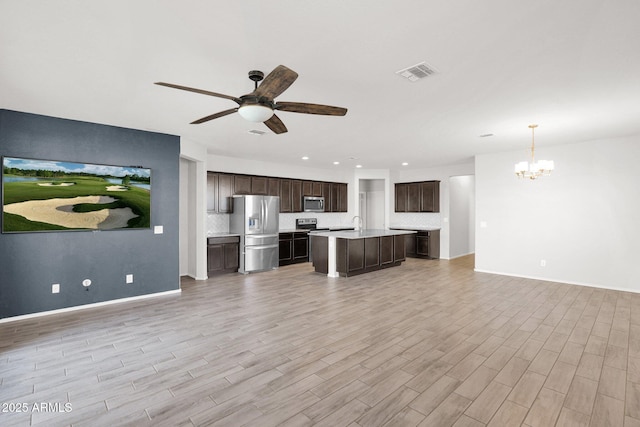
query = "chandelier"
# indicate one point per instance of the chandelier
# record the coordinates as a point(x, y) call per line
point(533, 169)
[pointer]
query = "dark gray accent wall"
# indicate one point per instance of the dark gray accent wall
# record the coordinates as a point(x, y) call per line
point(31, 262)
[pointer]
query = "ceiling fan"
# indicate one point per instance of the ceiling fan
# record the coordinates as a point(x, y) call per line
point(260, 105)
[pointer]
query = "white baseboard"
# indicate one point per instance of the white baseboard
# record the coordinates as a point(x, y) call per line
point(567, 282)
point(87, 306)
point(459, 256)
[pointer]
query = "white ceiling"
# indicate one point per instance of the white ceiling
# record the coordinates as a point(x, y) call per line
point(572, 66)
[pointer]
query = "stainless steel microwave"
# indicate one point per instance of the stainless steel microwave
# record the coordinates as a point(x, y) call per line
point(313, 204)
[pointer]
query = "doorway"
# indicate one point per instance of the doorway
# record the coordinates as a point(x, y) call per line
point(371, 203)
point(462, 216)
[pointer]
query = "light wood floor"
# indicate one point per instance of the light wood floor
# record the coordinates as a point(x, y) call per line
point(430, 343)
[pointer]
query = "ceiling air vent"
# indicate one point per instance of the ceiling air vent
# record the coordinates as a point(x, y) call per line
point(417, 72)
point(256, 132)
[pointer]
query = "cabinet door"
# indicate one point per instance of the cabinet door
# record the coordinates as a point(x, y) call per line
point(231, 256)
point(273, 187)
point(401, 197)
point(335, 197)
point(242, 184)
point(212, 192)
point(410, 245)
point(215, 257)
point(326, 193)
point(259, 185)
point(285, 195)
point(399, 246)
point(413, 197)
point(296, 195)
point(430, 196)
point(342, 198)
point(386, 249)
point(422, 244)
point(225, 191)
point(301, 247)
point(285, 250)
point(434, 244)
point(307, 188)
point(355, 254)
point(316, 189)
point(371, 252)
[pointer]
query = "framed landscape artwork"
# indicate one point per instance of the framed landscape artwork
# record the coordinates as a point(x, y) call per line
point(47, 195)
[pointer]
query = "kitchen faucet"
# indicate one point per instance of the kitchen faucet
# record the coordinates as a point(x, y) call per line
point(359, 224)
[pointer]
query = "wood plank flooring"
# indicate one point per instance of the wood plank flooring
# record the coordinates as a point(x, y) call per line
point(430, 343)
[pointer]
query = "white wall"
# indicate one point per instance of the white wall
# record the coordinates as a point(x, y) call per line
point(193, 221)
point(583, 220)
point(461, 215)
point(440, 219)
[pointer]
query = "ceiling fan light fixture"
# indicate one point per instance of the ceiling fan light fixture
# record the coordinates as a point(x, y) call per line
point(255, 112)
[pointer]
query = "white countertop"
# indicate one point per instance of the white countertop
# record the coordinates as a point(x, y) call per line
point(361, 234)
point(407, 227)
point(223, 235)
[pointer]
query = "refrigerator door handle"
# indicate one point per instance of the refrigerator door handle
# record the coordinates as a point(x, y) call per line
point(259, 247)
point(265, 214)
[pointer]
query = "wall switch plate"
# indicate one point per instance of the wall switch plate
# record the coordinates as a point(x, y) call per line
point(55, 288)
point(129, 278)
point(483, 224)
point(158, 229)
point(543, 263)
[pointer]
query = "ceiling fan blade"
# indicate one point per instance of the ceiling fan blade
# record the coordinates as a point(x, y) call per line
point(214, 116)
point(276, 82)
point(201, 91)
point(302, 107)
point(276, 125)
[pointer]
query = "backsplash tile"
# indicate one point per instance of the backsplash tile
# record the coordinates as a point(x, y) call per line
point(217, 223)
point(415, 219)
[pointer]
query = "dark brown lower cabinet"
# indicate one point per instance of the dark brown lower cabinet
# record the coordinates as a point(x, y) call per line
point(423, 244)
point(386, 249)
point(357, 256)
point(293, 248)
point(223, 255)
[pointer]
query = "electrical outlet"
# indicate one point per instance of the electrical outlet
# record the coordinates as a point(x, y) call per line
point(543, 263)
point(129, 278)
point(158, 229)
point(55, 288)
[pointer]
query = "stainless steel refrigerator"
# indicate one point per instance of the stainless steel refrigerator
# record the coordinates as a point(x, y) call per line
point(256, 219)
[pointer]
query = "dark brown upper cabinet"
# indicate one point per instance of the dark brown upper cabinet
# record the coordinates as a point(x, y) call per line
point(219, 192)
point(430, 196)
point(222, 186)
point(413, 197)
point(316, 189)
point(285, 195)
point(417, 196)
point(273, 187)
point(242, 184)
point(296, 195)
point(307, 188)
point(259, 185)
point(212, 192)
point(401, 197)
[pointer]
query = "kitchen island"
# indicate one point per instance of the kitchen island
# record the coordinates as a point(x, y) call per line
point(347, 253)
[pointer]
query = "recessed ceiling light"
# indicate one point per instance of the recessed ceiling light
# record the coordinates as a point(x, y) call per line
point(486, 135)
point(336, 163)
point(358, 166)
point(405, 164)
point(305, 158)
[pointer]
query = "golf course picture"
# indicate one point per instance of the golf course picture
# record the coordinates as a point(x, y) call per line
point(46, 195)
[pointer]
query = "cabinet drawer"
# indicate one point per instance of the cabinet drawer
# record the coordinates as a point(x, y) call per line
point(222, 240)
